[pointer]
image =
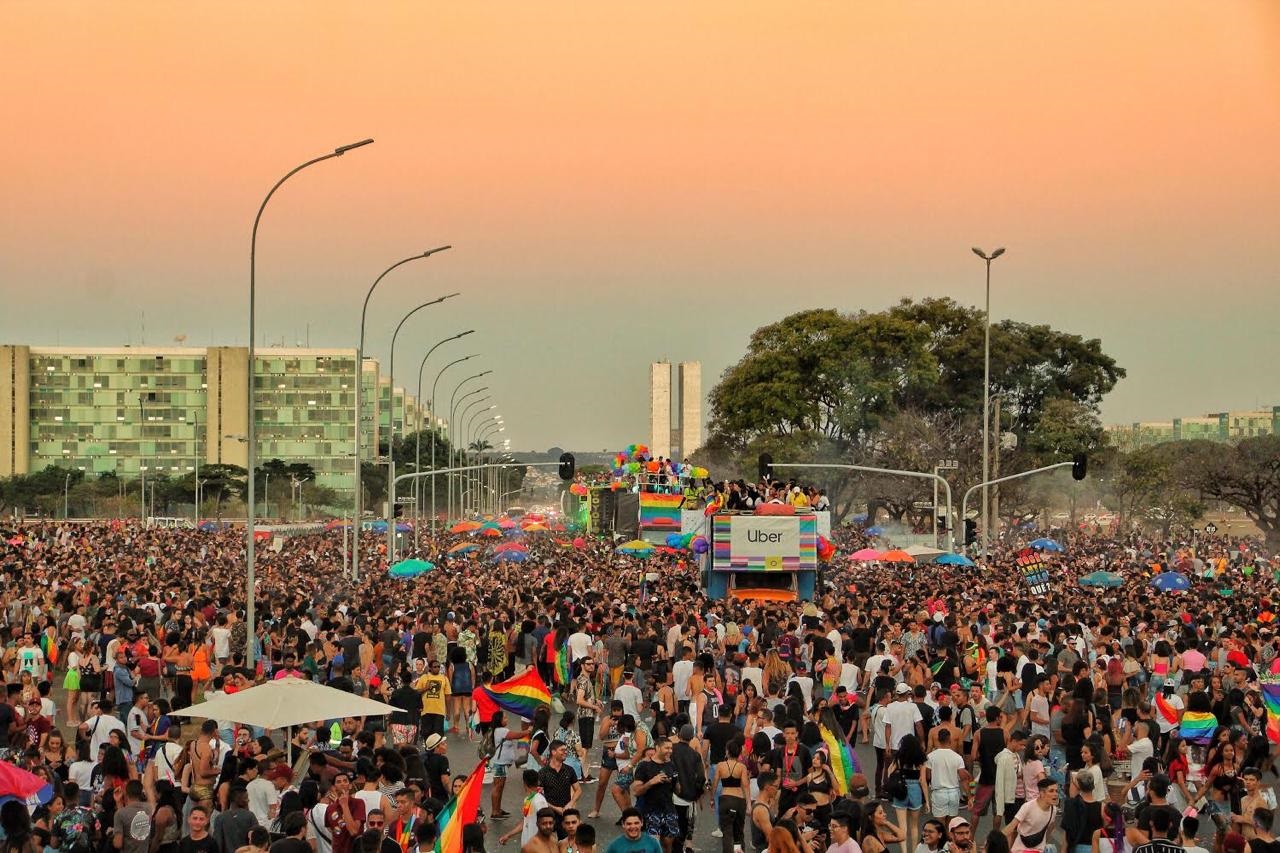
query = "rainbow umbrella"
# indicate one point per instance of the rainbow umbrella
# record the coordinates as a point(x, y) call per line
point(636, 548)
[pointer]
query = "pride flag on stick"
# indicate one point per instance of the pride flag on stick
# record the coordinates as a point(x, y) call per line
point(459, 812)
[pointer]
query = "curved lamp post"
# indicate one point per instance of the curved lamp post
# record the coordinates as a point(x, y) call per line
point(251, 431)
point(417, 450)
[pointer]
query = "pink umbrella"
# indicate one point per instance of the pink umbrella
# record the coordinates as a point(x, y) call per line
point(866, 554)
point(18, 784)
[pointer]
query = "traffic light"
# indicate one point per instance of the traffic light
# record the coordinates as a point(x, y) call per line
point(942, 523)
point(566, 466)
point(970, 531)
point(1079, 466)
point(398, 512)
point(766, 466)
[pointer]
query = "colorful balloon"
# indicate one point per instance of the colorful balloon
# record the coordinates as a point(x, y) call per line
point(700, 545)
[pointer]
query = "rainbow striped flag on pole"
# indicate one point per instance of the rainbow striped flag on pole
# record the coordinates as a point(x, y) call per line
point(1271, 699)
point(521, 695)
point(459, 812)
point(843, 762)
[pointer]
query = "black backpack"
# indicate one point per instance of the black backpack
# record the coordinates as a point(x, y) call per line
point(691, 776)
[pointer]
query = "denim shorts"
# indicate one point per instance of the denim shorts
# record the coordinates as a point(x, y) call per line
point(914, 800)
point(945, 802)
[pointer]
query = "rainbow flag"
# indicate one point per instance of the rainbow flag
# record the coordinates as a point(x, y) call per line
point(459, 812)
point(521, 695)
point(1198, 726)
point(1165, 709)
point(843, 762)
point(1271, 699)
point(563, 672)
point(405, 838)
point(49, 647)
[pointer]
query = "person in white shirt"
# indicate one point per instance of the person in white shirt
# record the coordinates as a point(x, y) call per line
point(1038, 708)
point(1169, 697)
point(850, 676)
point(629, 695)
point(805, 682)
point(579, 646)
point(681, 672)
point(1140, 749)
point(320, 837)
point(901, 718)
point(754, 673)
point(946, 773)
point(264, 800)
point(99, 726)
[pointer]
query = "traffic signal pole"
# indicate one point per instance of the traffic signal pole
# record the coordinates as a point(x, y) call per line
point(964, 501)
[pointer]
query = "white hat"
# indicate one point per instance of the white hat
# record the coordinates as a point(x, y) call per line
point(902, 688)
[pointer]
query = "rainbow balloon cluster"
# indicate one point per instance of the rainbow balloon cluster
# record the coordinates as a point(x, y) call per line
point(694, 542)
point(825, 549)
point(578, 489)
point(633, 459)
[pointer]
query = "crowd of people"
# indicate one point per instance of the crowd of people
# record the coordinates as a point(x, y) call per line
point(971, 703)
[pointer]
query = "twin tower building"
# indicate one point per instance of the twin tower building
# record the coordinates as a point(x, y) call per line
point(675, 421)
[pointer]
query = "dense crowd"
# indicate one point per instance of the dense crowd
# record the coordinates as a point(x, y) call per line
point(973, 704)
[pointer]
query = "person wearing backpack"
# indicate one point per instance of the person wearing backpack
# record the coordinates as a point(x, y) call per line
point(690, 783)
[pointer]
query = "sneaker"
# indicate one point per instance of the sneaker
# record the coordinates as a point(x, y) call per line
point(716, 833)
point(587, 780)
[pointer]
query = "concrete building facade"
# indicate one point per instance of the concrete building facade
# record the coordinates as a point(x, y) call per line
point(168, 410)
point(683, 436)
point(1219, 426)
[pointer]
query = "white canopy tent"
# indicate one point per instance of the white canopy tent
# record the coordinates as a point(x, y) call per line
point(923, 552)
point(286, 702)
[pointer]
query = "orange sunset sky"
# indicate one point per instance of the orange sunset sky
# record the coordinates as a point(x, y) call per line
point(624, 182)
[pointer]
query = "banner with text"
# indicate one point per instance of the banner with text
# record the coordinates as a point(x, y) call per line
point(764, 543)
point(1034, 570)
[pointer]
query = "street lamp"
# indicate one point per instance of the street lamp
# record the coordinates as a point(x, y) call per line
point(391, 378)
point(357, 497)
point(986, 396)
point(417, 450)
point(250, 433)
point(454, 432)
point(434, 427)
point(468, 434)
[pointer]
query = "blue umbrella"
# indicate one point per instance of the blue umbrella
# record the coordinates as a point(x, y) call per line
point(1103, 579)
point(510, 557)
point(1168, 581)
point(875, 531)
point(954, 560)
point(410, 568)
point(1047, 545)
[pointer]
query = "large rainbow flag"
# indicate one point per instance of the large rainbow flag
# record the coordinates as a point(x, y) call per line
point(459, 812)
point(1198, 726)
point(521, 695)
point(1271, 699)
point(843, 762)
point(660, 511)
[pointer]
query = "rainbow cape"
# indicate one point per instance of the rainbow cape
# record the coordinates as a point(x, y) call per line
point(1198, 727)
point(562, 670)
point(521, 695)
point(49, 647)
point(1167, 712)
point(1271, 699)
point(459, 812)
point(843, 762)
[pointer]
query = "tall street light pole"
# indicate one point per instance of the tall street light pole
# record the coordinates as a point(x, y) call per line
point(435, 426)
point(391, 378)
point(454, 432)
point(417, 450)
point(251, 431)
point(358, 497)
point(468, 434)
point(986, 400)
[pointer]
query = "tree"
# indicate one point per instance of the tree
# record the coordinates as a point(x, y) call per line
point(224, 481)
point(825, 386)
point(1245, 475)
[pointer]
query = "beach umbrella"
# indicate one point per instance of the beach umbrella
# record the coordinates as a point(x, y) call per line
point(954, 560)
point(1103, 579)
point(410, 568)
point(465, 527)
point(896, 555)
point(536, 527)
point(534, 516)
point(1168, 581)
point(403, 527)
point(875, 531)
point(558, 527)
point(506, 523)
point(865, 555)
point(924, 552)
point(508, 546)
point(510, 557)
point(636, 548)
point(492, 532)
point(1047, 545)
point(377, 526)
point(331, 525)
point(18, 784)
point(462, 548)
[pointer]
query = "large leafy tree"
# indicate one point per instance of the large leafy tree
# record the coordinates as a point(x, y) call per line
point(1245, 475)
point(867, 388)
